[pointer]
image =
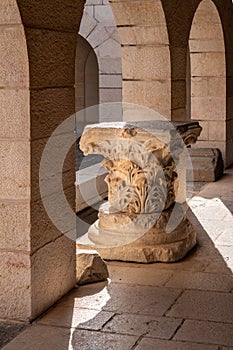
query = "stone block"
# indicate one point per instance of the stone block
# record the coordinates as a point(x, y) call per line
point(110, 48)
point(65, 317)
point(207, 45)
point(207, 164)
point(43, 222)
point(109, 65)
point(59, 16)
point(94, 2)
point(217, 86)
point(207, 14)
point(110, 95)
point(14, 106)
point(208, 108)
point(211, 144)
point(15, 226)
point(52, 274)
point(144, 35)
point(157, 327)
point(90, 267)
point(201, 281)
point(200, 305)
point(15, 296)
point(98, 36)
point(178, 61)
point(206, 31)
point(199, 86)
point(206, 332)
point(151, 344)
point(110, 81)
point(14, 69)
point(154, 94)
point(9, 331)
point(146, 63)
point(52, 57)
point(145, 13)
point(179, 114)
point(178, 93)
point(49, 108)
point(104, 15)
point(60, 338)
point(208, 64)
point(217, 130)
point(15, 172)
point(9, 13)
point(59, 160)
point(87, 25)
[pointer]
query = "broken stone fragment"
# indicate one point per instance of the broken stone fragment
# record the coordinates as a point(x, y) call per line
point(90, 267)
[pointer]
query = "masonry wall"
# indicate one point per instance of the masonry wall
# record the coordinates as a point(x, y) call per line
point(37, 77)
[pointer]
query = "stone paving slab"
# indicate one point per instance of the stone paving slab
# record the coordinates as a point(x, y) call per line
point(140, 276)
point(204, 306)
point(154, 344)
point(158, 327)
point(40, 337)
point(201, 281)
point(9, 332)
point(79, 318)
point(206, 332)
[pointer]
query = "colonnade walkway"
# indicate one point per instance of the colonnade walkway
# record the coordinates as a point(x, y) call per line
point(181, 306)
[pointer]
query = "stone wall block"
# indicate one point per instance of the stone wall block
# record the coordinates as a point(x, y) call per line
point(53, 273)
point(212, 108)
point(104, 14)
point(9, 12)
point(43, 225)
point(15, 226)
point(15, 296)
point(87, 25)
point(52, 57)
point(146, 63)
point(49, 108)
point(14, 63)
point(15, 121)
point(154, 94)
point(57, 15)
point(144, 35)
point(15, 172)
point(145, 12)
point(208, 64)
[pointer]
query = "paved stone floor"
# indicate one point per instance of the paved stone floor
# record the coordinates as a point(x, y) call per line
point(182, 306)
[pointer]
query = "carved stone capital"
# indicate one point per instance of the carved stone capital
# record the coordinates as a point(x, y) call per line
point(143, 161)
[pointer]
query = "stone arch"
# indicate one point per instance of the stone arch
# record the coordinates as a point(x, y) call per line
point(99, 29)
point(86, 76)
point(208, 76)
point(146, 71)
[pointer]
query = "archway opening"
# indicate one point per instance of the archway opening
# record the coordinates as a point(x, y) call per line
point(208, 77)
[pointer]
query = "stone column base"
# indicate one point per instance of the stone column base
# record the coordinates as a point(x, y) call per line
point(144, 250)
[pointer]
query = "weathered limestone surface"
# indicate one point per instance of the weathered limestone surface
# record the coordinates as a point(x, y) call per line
point(142, 220)
point(207, 164)
point(90, 267)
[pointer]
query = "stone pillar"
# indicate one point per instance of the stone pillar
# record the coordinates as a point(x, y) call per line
point(144, 219)
point(37, 46)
